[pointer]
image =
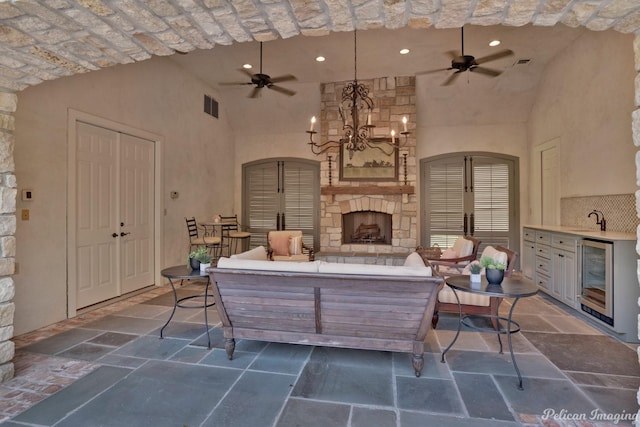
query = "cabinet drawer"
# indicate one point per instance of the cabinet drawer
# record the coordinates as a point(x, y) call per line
point(543, 237)
point(529, 235)
point(564, 241)
point(543, 251)
point(543, 281)
point(543, 265)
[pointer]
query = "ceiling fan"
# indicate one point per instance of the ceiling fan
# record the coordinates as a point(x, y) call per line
point(261, 80)
point(462, 63)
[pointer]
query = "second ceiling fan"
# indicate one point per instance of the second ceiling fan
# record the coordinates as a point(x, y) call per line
point(461, 63)
point(261, 80)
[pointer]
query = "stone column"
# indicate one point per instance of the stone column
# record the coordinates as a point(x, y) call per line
point(8, 191)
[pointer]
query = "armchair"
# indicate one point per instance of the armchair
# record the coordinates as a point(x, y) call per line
point(471, 303)
point(287, 245)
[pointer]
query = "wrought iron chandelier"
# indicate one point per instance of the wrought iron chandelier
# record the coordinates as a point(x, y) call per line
point(355, 112)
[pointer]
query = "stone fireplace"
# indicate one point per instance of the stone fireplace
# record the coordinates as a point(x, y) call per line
point(391, 205)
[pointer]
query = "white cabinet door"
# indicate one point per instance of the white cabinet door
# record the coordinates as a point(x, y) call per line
point(564, 285)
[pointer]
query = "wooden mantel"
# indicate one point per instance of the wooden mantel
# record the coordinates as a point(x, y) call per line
point(368, 189)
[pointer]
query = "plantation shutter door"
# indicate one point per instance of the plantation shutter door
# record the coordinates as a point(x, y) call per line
point(445, 201)
point(491, 201)
point(263, 201)
point(300, 199)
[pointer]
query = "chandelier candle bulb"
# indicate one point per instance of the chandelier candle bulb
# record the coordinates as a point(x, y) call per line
point(404, 123)
point(313, 122)
point(393, 137)
point(369, 119)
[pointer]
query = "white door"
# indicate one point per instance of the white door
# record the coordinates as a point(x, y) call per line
point(136, 212)
point(115, 199)
point(96, 253)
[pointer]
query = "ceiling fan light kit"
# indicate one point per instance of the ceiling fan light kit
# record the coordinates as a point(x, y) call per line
point(261, 80)
point(461, 63)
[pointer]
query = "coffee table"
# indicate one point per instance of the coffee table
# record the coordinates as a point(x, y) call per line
point(182, 272)
point(511, 287)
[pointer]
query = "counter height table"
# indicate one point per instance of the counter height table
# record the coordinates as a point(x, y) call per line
point(182, 272)
point(511, 287)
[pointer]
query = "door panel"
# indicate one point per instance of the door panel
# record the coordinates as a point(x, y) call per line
point(281, 194)
point(136, 212)
point(96, 213)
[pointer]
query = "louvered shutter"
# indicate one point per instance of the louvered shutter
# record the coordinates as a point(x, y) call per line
point(491, 197)
point(262, 201)
point(300, 203)
point(445, 202)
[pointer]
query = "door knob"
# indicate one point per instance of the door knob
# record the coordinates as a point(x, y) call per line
point(114, 235)
point(124, 234)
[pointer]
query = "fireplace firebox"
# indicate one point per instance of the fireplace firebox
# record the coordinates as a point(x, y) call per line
point(366, 227)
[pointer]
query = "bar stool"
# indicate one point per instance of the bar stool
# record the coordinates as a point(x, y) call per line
point(231, 231)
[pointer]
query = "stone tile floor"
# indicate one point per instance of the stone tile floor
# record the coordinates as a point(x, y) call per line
point(108, 367)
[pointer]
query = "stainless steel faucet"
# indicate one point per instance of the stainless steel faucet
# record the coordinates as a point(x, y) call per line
point(601, 222)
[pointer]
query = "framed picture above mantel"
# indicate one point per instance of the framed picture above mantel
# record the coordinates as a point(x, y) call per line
point(371, 164)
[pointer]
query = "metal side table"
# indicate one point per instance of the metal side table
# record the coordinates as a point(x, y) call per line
point(182, 272)
point(511, 287)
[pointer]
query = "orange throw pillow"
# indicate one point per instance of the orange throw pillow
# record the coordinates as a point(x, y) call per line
point(279, 244)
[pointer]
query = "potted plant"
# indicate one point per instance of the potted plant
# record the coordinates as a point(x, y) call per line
point(199, 259)
point(494, 270)
point(475, 269)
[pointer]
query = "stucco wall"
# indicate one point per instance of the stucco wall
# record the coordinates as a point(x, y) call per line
point(585, 100)
point(154, 96)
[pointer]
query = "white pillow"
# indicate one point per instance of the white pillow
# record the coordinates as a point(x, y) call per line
point(448, 254)
point(497, 255)
point(462, 247)
point(259, 254)
point(414, 260)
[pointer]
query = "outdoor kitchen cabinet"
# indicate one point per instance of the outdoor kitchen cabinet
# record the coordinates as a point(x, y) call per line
point(565, 268)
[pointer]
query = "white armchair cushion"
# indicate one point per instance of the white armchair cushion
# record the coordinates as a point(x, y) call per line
point(467, 298)
point(462, 247)
point(497, 255)
point(374, 270)
point(448, 254)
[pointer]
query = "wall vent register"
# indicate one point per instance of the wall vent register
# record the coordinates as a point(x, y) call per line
point(210, 106)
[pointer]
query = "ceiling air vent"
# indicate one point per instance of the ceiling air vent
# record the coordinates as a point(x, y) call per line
point(210, 106)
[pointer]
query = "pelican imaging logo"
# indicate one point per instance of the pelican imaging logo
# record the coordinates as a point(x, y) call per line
point(594, 416)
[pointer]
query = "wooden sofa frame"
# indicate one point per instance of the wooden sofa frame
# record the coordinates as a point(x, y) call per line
point(389, 313)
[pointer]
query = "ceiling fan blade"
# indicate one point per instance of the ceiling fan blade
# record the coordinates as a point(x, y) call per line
point(432, 71)
point(254, 93)
point(495, 56)
point(285, 78)
point(282, 90)
point(451, 78)
point(234, 83)
point(486, 71)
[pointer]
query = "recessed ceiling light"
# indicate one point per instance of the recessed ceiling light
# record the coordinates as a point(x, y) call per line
point(404, 51)
point(247, 66)
point(494, 42)
point(320, 58)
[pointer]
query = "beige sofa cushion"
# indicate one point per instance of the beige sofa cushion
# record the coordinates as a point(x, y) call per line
point(244, 264)
point(258, 254)
point(374, 270)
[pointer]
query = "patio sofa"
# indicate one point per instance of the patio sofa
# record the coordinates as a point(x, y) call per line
point(369, 307)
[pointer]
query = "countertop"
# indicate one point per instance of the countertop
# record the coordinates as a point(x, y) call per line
point(584, 232)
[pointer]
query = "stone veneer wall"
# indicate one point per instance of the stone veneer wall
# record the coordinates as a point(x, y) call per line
point(8, 191)
point(393, 97)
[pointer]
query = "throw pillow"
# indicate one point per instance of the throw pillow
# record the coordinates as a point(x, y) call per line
point(279, 244)
point(414, 260)
point(448, 254)
point(295, 245)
